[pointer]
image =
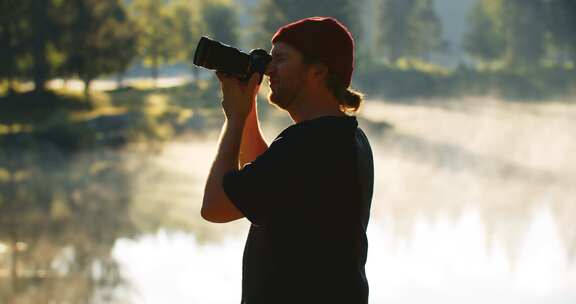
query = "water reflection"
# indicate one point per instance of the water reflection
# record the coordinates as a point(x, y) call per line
point(501, 159)
point(60, 216)
point(62, 213)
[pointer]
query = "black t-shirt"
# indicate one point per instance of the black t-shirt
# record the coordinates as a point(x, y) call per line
point(308, 198)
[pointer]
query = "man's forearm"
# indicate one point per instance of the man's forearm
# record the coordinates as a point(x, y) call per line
point(253, 143)
point(216, 207)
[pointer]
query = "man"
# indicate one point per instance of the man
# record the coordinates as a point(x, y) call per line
point(308, 194)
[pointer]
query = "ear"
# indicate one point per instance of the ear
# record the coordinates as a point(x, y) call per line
point(318, 72)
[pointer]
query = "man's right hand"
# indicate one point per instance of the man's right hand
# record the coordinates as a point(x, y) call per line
point(238, 97)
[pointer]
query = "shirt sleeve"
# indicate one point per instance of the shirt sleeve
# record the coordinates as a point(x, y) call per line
point(260, 186)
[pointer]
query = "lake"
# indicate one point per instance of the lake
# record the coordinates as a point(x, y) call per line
point(474, 202)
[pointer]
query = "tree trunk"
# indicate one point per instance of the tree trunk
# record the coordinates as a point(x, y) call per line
point(13, 233)
point(120, 80)
point(87, 83)
point(155, 70)
point(39, 21)
point(11, 87)
point(14, 260)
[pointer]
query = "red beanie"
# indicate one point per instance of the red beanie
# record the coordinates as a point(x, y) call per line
point(324, 38)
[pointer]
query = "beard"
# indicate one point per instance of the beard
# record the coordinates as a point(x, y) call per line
point(284, 97)
point(279, 100)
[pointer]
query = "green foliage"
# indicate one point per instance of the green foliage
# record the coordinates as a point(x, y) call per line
point(171, 30)
point(52, 38)
point(188, 27)
point(39, 107)
point(525, 37)
point(522, 34)
point(399, 81)
point(12, 44)
point(70, 124)
point(486, 40)
point(89, 38)
point(410, 28)
point(157, 42)
point(561, 24)
point(100, 39)
point(28, 38)
point(408, 81)
point(199, 95)
point(221, 21)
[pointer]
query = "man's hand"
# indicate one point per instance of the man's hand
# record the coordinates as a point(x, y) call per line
point(238, 97)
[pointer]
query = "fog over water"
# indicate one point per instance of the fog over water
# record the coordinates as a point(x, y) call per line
point(474, 201)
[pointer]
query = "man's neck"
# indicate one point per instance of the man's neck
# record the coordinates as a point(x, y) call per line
point(314, 106)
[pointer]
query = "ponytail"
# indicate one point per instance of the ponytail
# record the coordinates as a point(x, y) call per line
point(349, 99)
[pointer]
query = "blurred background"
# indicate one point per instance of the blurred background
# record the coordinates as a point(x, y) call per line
point(107, 133)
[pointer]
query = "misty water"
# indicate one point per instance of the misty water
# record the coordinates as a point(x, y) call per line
point(474, 202)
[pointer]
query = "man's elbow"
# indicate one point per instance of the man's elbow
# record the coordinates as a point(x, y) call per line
point(209, 210)
point(210, 216)
point(215, 216)
point(216, 208)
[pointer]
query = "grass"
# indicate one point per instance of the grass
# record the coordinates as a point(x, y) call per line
point(140, 113)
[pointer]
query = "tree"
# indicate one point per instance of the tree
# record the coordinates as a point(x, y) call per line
point(12, 42)
point(506, 30)
point(193, 19)
point(409, 28)
point(42, 35)
point(35, 23)
point(561, 24)
point(221, 21)
point(100, 39)
point(47, 38)
point(427, 29)
point(526, 38)
point(188, 28)
point(157, 44)
point(486, 40)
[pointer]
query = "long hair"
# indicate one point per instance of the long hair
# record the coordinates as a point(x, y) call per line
point(349, 99)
